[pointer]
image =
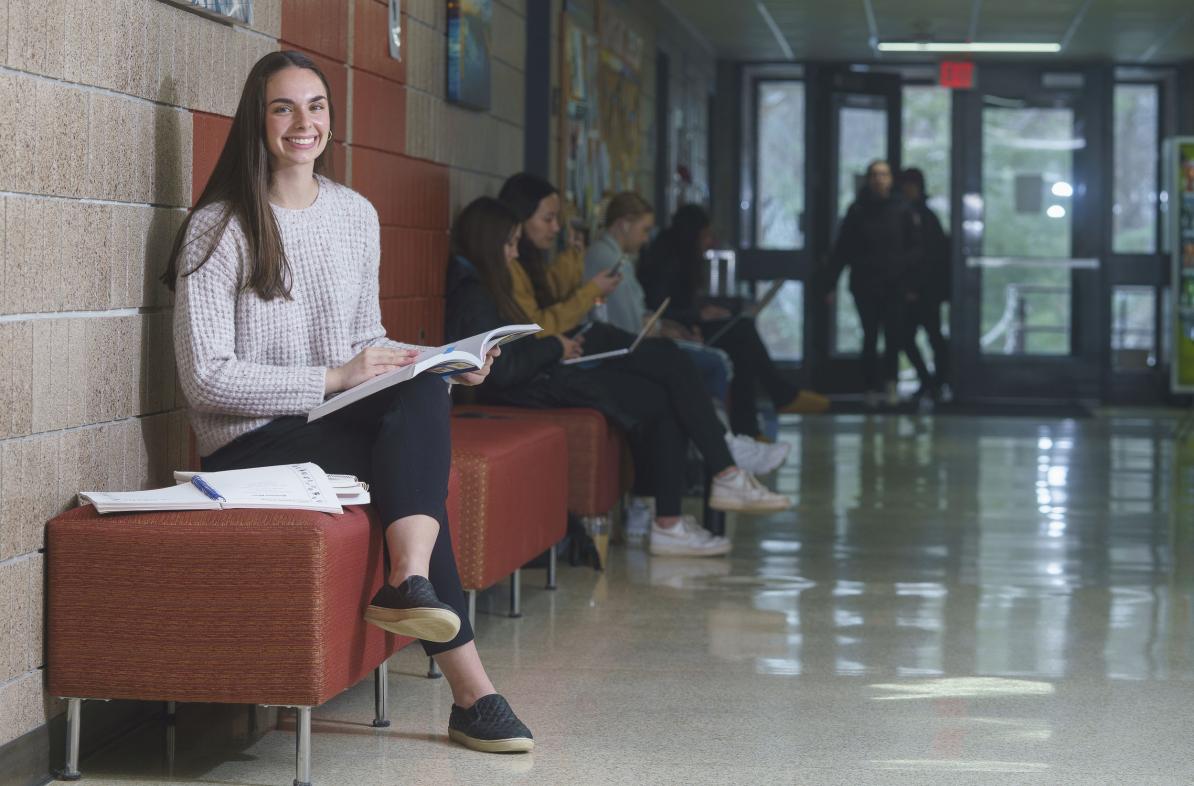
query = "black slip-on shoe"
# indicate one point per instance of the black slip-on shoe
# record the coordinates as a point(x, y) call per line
point(412, 609)
point(490, 726)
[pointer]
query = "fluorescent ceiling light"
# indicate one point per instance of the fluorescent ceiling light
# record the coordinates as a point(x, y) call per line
point(965, 46)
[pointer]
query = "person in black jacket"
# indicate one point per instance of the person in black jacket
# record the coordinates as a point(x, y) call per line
point(932, 281)
point(673, 266)
point(654, 392)
point(878, 239)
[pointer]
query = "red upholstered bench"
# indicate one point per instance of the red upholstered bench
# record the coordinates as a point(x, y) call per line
point(513, 501)
point(235, 606)
point(594, 457)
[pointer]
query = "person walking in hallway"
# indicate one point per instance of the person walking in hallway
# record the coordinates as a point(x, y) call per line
point(878, 240)
point(932, 283)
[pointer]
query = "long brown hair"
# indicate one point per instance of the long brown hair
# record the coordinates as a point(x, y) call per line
point(240, 182)
point(479, 234)
point(523, 192)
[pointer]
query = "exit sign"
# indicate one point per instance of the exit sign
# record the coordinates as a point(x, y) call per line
point(957, 74)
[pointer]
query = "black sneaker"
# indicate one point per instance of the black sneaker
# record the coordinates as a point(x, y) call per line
point(412, 609)
point(490, 726)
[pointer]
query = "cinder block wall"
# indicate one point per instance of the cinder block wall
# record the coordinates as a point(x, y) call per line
point(112, 114)
point(96, 105)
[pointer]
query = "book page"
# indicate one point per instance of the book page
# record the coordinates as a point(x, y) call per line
point(181, 497)
point(303, 486)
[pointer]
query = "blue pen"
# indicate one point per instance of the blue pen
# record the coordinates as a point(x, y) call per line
point(206, 488)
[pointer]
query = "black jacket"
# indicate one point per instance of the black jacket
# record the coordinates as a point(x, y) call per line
point(880, 242)
point(933, 274)
point(528, 372)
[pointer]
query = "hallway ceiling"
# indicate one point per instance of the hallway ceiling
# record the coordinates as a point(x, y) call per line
point(1126, 31)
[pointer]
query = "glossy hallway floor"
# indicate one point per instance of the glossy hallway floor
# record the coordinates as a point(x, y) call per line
point(956, 601)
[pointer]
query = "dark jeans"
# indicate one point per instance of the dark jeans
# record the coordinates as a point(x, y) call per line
point(399, 442)
point(889, 311)
point(927, 314)
point(752, 367)
point(659, 386)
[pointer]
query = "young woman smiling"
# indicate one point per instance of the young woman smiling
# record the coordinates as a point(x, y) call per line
point(276, 275)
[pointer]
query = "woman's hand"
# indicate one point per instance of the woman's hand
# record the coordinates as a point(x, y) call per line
point(606, 281)
point(365, 366)
point(477, 377)
point(573, 347)
point(710, 312)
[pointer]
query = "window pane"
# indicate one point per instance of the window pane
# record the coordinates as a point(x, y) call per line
point(1133, 328)
point(1025, 310)
point(1134, 212)
point(927, 137)
point(862, 138)
point(781, 324)
point(1028, 165)
point(781, 165)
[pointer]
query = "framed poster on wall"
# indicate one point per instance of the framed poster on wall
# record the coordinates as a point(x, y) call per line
point(470, 25)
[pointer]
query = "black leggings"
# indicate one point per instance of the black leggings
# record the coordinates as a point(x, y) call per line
point(888, 311)
point(660, 387)
point(752, 366)
point(926, 313)
point(399, 442)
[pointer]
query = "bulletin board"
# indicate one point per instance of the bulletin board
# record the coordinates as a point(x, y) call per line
point(602, 128)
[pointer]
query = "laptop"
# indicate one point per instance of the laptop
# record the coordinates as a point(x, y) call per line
point(617, 353)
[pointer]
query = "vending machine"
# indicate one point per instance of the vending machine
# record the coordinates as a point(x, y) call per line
point(1179, 179)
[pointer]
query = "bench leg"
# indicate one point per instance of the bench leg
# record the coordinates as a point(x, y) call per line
point(516, 593)
point(302, 756)
point(74, 722)
point(433, 672)
point(472, 609)
point(381, 694)
point(551, 568)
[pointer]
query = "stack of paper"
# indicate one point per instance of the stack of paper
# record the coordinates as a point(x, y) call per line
point(286, 486)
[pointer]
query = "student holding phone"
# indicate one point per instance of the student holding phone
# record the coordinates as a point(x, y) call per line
point(653, 392)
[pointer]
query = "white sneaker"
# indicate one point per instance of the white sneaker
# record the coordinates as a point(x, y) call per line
point(740, 492)
point(638, 520)
point(757, 458)
point(686, 539)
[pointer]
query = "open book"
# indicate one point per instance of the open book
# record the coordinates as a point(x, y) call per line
point(617, 353)
point(465, 355)
point(288, 486)
point(349, 490)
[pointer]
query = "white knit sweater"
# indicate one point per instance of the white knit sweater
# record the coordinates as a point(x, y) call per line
point(244, 361)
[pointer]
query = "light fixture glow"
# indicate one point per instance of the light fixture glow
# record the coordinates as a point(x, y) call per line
point(1062, 189)
point(966, 46)
point(1055, 211)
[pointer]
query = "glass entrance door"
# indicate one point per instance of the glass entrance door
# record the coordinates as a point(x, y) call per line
point(1027, 310)
point(864, 125)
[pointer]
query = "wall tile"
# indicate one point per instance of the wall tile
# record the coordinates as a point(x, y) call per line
point(432, 13)
point(22, 706)
point(267, 17)
point(29, 492)
point(509, 37)
point(321, 25)
point(426, 66)
point(37, 36)
point(21, 616)
point(371, 41)
point(379, 113)
point(509, 92)
point(16, 378)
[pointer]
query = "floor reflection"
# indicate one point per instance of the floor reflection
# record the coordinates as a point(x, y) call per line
point(996, 547)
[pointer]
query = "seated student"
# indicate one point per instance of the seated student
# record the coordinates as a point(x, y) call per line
point(673, 267)
point(276, 275)
point(657, 399)
point(627, 225)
